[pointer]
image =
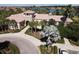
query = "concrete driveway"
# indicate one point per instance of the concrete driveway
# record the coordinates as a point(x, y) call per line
point(25, 46)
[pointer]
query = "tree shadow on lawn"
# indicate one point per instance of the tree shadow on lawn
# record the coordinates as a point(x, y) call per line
point(44, 39)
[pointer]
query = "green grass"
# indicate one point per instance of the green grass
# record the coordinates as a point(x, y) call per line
point(2, 32)
point(76, 18)
point(11, 31)
point(44, 50)
point(60, 41)
point(16, 30)
point(13, 48)
point(36, 35)
point(74, 43)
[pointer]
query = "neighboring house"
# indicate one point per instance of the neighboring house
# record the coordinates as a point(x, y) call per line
point(30, 15)
point(8, 8)
point(23, 9)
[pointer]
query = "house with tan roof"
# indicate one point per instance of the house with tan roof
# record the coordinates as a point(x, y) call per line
point(30, 15)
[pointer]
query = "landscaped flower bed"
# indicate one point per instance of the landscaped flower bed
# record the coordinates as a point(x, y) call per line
point(11, 49)
point(50, 50)
point(35, 34)
point(74, 43)
point(11, 31)
point(60, 41)
point(38, 36)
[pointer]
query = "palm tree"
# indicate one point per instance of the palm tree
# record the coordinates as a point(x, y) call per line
point(43, 23)
point(31, 24)
point(68, 11)
point(35, 25)
point(52, 22)
point(13, 23)
point(66, 14)
point(4, 24)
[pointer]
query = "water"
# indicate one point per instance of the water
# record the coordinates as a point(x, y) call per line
point(54, 10)
point(49, 10)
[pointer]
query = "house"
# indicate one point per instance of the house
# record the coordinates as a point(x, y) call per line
point(30, 15)
point(8, 8)
point(21, 17)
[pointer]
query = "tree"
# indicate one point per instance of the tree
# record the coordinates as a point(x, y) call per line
point(13, 24)
point(43, 23)
point(74, 34)
point(71, 31)
point(35, 25)
point(19, 10)
point(52, 22)
point(57, 12)
point(31, 24)
point(4, 44)
point(4, 24)
point(52, 33)
point(67, 13)
point(43, 10)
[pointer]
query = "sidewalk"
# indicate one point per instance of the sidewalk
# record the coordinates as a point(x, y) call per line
point(24, 30)
point(67, 41)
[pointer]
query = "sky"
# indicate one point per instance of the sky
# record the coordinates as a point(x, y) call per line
point(31, 4)
point(35, 4)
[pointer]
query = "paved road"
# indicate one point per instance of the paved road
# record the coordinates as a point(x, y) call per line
point(25, 45)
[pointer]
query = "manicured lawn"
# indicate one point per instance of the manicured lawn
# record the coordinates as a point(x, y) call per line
point(74, 43)
point(13, 50)
point(44, 50)
point(11, 31)
point(2, 32)
point(76, 18)
point(38, 36)
point(35, 34)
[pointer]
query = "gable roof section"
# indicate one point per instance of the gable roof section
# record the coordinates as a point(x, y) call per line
point(21, 17)
point(47, 17)
point(17, 17)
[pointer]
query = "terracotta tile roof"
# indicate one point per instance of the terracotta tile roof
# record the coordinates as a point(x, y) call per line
point(21, 17)
point(17, 17)
point(47, 17)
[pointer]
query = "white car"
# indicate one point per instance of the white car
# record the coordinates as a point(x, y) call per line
point(64, 52)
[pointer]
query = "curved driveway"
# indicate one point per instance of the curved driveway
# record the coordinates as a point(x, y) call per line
point(21, 41)
point(71, 49)
point(29, 45)
point(26, 43)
